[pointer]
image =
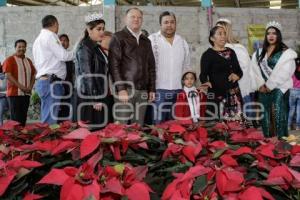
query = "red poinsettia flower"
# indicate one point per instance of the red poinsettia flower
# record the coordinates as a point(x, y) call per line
point(295, 149)
point(296, 181)
point(191, 150)
point(176, 128)
point(256, 193)
point(186, 151)
point(228, 160)
point(180, 188)
point(133, 181)
point(77, 184)
point(280, 176)
point(220, 127)
point(246, 136)
point(79, 133)
point(11, 168)
point(202, 135)
point(30, 196)
point(242, 150)
point(9, 125)
point(53, 146)
point(273, 151)
point(235, 126)
point(125, 180)
point(116, 137)
point(213, 146)
point(229, 180)
point(173, 149)
point(295, 162)
point(89, 144)
point(209, 193)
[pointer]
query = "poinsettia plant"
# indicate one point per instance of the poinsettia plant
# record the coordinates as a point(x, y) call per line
point(173, 160)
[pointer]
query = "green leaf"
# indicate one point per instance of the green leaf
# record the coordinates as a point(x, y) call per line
point(109, 140)
point(22, 172)
point(19, 186)
point(110, 163)
point(264, 174)
point(199, 184)
point(124, 198)
point(203, 152)
point(234, 147)
point(251, 175)
point(63, 163)
point(281, 192)
point(286, 146)
point(179, 141)
point(180, 167)
point(54, 126)
point(218, 153)
point(151, 137)
point(119, 168)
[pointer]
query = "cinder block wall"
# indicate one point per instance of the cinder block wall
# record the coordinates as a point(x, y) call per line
point(25, 22)
point(192, 24)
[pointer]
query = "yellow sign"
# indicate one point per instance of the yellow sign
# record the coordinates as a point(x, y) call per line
point(256, 35)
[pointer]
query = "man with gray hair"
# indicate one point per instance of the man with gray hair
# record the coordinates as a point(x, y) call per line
point(132, 68)
point(172, 58)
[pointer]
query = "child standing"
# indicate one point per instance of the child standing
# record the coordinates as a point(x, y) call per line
point(190, 101)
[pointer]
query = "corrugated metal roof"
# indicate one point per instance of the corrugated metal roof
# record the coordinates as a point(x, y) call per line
point(216, 3)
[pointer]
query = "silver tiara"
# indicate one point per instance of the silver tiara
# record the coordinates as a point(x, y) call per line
point(274, 24)
point(93, 17)
point(224, 20)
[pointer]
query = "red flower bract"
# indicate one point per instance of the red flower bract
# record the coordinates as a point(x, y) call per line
point(229, 180)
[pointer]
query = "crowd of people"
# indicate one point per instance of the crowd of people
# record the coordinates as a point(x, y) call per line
point(133, 77)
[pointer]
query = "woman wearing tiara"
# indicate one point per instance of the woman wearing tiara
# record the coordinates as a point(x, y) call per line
point(93, 98)
point(272, 69)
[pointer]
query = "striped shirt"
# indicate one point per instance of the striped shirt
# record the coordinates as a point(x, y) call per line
point(22, 70)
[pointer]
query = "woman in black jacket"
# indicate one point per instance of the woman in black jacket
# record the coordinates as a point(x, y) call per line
point(220, 71)
point(93, 96)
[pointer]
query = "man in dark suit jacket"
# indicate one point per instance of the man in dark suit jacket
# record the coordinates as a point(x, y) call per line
point(132, 67)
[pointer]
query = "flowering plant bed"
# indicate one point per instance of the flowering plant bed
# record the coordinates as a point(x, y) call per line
point(174, 160)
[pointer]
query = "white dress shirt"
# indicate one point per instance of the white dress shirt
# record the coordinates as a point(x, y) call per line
point(171, 60)
point(49, 55)
point(136, 35)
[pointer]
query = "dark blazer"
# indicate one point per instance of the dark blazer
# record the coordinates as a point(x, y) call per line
point(130, 61)
point(90, 60)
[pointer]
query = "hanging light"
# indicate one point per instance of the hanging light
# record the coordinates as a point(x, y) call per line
point(275, 4)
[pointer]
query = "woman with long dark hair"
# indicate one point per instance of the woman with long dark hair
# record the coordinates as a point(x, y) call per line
point(220, 72)
point(93, 99)
point(272, 69)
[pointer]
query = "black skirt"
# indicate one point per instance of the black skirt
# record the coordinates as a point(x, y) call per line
point(97, 119)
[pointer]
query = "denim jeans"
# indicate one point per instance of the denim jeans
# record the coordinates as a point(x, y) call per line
point(164, 101)
point(49, 99)
point(3, 108)
point(294, 104)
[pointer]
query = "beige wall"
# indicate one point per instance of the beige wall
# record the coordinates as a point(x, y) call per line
point(24, 22)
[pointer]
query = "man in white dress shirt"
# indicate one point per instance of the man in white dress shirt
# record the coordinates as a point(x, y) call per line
point(172, 58)
point(49, 59)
